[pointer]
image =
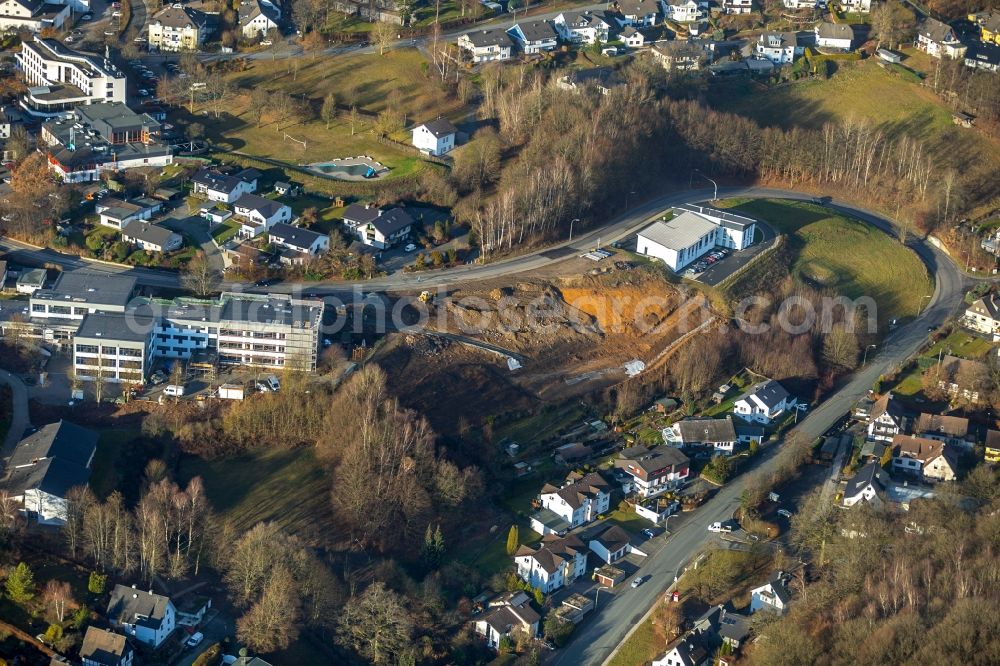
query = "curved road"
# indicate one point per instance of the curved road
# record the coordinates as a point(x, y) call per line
point(19, 414)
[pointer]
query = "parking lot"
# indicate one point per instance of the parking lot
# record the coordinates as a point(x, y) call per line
point(716, 271)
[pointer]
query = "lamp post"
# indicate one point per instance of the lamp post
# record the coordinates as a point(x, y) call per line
point(626, 198)
point(597, 594)
point(571, 223)
point(920, 308)
point(715, 195)
point(666, 523)
point(865, 359)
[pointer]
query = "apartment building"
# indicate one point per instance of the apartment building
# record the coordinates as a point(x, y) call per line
point(177, 28)
point(60, 79)
point(115, 347)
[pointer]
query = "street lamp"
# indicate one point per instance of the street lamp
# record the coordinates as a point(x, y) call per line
point(626, 198)
point(571, 223)
point(666, 523)
point(865, 359)
point(715, 196)
point(920, 307)
point(597, 594)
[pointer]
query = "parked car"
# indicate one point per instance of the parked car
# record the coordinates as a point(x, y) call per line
point(648, 533)
point(273, 383)
point(785, 512)
point(410, 248)
point(196, 638)
point(174, 390)
point(266, 42)
point(639, 581)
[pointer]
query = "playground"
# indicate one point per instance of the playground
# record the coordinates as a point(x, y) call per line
point(361, 167)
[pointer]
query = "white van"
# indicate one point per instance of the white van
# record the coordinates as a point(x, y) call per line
point(273, 383)
point(173, 390)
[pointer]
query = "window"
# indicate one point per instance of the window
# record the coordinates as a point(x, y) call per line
point(134, 353)
point(60, 309)
point(109, 350)
point(87, 349)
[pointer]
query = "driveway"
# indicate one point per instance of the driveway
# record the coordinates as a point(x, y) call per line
point(215, 629)
point(19, 417)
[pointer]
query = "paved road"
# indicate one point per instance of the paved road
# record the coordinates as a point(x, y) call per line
point(19, 419)
point(593, 642)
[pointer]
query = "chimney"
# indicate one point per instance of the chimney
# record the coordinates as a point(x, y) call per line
point(133, 586)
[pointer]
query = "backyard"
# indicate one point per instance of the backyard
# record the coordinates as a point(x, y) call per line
point(846, 256)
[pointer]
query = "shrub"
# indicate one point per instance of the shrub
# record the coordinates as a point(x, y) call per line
point(97, 583)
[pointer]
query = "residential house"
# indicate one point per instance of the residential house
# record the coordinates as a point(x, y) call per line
point(799, 4)
point(572, 453)
point(781, 48)
point(737, 6)
point(436, 137)
point(149, 618)
point(511, 613)
point(992, 454)
point(721, 626)
point(258, 18)
point(30, 281)
point(678, 55)
point(215, 214)
point(886, 419)
point(304, 241)
point(925, 459)
point(216, 185)
point(764, 402)
point(983, 316)
point(534, 36)
point(772, 595)
point(582, 27)
point(258, 214)
point(834, 35)
point(952, 430)
point(689, 650)
point(636, 13)
point(487, 45)
point(655, 470)
point(856, 6)
point(716, 434)
point(105, 648)
point(33, 15)
point(601, 79)
point(631, 37)
point(556, 562)
point(577, 502)
point(872, 451)
point(681, 11)
point(988, 23)
point(151, 237)
point(747, 434)
point(117, 214)
point(45, 465)
point(939, 39)
point(287, 188)
point(376, 227)
point(962, 379)
point(869, 484)
point(177, 28)
point(984, 56)
point(612, 544)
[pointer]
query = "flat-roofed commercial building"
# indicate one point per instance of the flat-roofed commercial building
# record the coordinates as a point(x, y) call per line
point(693, 231)
point(113, 346)
point(60, 79)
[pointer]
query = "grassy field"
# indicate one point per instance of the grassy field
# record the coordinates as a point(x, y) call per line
point(847, 257)
point(641, 647)
point(225, 231)
point(365, 81)
point(285, 486)
point(866, 92)
point(957, 343)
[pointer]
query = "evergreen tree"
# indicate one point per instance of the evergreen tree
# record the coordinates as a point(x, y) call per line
point(433, 549)
point(438, 545)
point(21, 584)
point(512, 540)
point(97, 583)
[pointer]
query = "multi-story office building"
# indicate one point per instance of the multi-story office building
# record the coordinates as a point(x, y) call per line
point(60, 79)
point(113, 346)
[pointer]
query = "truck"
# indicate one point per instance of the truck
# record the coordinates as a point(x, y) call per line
point(174, 390)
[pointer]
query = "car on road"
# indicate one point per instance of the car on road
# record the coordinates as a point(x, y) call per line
point(639, 581)
point(70, 39)
point(725, 528)
point(267, 282)
point(410, 248)
point(195, 639)
point(648, 533)
point(785, 512)
point(116, 14)
point(266, 42)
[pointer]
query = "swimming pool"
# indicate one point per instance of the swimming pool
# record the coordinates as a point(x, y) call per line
point(350, 168)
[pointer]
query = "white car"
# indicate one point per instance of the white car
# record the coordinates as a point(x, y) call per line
point(410, 248)
point(195, 639)
point(638, 581)
point(266, 42)
point(116, 14)
point(715, 527)
point(785, 512)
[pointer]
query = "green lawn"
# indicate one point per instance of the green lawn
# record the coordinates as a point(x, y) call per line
point(120, 461)
point(629, 520)
point(641, 647)
point(285, 486)
point(225, 231)
point(847, 257)
point(962, 344)
point(488, 554)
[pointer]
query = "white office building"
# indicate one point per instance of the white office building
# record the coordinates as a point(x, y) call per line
point(693, 231)
point(59, 78)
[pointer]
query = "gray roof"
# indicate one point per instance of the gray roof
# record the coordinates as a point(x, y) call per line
point(296, 237)
point(939, 424)
point(267, 309)
point(86, 286)
point(103, 647)
point(834, 31)
point(575, 492)
point(115, 326)
point(50, 475)
point(554, 551)
point(148, 232)
point(486, 38)
point(224, 182)
point(779, 583)
point(987, 306)
point(769, 392)
point(263, 205)
point(34, 276)
point(361, 213)
point(613, 538)
point(583, 19)
point(936, 31)
point(605, 77)
point(887, 405)
point(392, 221)
point(707, 431)
point(536, 31)
point(984, 52)
point(778, 39)
point(872, 473)
point(251, 9)
point(680, 232)
point(178, 16)
point(730, 220)
point(637, 7)
point(62, 439)
point(651, 460)
point(440, 127)
point(129, 605)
